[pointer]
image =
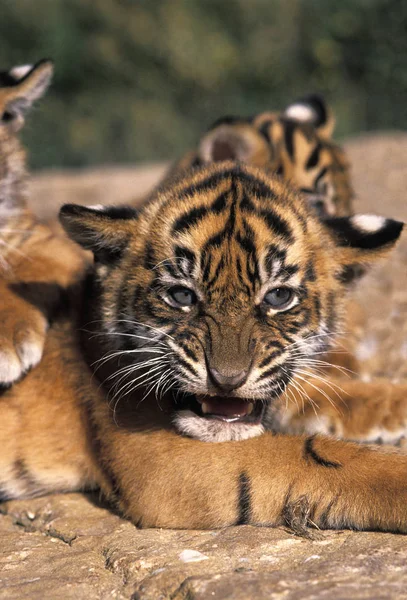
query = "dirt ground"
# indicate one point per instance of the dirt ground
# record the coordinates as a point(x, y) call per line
point(71, 546)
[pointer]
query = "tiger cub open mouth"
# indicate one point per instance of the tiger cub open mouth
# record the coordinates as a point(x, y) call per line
point(223, 408)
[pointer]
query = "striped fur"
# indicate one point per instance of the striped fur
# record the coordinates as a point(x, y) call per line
point(295, 144)
point(184, 289)
point(224, 238)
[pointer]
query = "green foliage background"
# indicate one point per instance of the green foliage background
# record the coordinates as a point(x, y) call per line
point(141, 79)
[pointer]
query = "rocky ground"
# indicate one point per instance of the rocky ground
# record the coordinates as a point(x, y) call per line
point(70, 546)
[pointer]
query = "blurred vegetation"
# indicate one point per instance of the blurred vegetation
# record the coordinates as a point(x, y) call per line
point(141, 79)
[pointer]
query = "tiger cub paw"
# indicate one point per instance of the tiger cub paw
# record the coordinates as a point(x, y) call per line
point(21, 343)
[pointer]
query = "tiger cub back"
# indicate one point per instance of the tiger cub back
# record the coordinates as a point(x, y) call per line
point(295, 143)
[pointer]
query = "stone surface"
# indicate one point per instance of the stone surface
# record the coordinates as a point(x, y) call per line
point(68, 546)
point(71, 546)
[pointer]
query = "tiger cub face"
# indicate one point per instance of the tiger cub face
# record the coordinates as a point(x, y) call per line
point(295, 143)
point(219, 290)
point(19, 89)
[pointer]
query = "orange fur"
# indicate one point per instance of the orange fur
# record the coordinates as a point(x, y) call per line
point(35, 266)
point(63, 429)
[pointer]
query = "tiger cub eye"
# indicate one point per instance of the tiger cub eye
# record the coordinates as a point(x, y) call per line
point(182, 296)
point(279, 297)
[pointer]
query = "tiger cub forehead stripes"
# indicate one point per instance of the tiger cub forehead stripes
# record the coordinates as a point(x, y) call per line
point(239, 233)
point(231, 280)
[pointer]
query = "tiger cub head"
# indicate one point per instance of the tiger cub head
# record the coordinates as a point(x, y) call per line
point(295, 143)
point(218, 291)
point(19, 89)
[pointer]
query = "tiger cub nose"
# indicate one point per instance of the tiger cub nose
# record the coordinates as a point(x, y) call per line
point(227, 383)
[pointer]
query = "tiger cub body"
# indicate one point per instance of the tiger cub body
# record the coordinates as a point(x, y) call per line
point(31, 274)
point(214, 296)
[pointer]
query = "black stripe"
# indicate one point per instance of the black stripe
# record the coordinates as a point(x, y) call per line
point(320, 176)
point(257, 186)
point(268, 359)
point(189, 219)
point(188, 351)
point(171, 268)
point(274, 344)
point(182, 252)
point(149, 257)
point(289, 127)
point(317, 306)
point(307, 190)
point(220, 203)
point(313, 158)
point(264, 131)
point(331, 312)
point(246, 243)
point(215, 276)
point(311, 453)
point(125, 213)
point(349, 273)
point(323, 521)
point(270, 372)
point(215, 240)
point(96, 446)
point(186, 365)
point(306, 317)
point(207, 269)
point(244, 500)
point(310, 274)
point(247, 204)
point(277, 224)
point(155, 311)
point(274, 253)
point(4, 496)
point(288, 271)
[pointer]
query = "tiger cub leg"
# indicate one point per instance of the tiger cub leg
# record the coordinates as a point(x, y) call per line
point(350, 409)
point(160, 479)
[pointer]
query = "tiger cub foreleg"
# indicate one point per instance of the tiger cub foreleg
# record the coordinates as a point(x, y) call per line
point(374, 412)
point(160, 479)
point(31, 293)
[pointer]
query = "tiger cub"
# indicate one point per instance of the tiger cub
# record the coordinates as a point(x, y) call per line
point(211, 296)
point(295, 144)
point(34, 265)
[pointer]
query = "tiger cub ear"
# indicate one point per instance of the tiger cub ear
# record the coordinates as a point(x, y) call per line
point(361, 241)
point(105, 230)
point(312, 109)
point(231, 138)
point(20, 88)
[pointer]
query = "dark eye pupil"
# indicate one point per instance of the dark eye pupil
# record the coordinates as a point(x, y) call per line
point(278, 297)
point(183, 296)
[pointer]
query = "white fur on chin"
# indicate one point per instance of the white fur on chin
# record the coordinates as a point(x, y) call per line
point(211, 430)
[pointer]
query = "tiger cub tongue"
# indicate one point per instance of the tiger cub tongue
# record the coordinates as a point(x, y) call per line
point(225, 407)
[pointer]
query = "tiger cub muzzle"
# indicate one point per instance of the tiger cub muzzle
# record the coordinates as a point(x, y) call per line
point(229, 358)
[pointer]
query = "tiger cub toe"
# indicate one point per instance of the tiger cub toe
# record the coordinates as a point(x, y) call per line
point(21, 342)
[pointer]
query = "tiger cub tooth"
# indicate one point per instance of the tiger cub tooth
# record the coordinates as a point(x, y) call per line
point(250, 408)
point(205, 407)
